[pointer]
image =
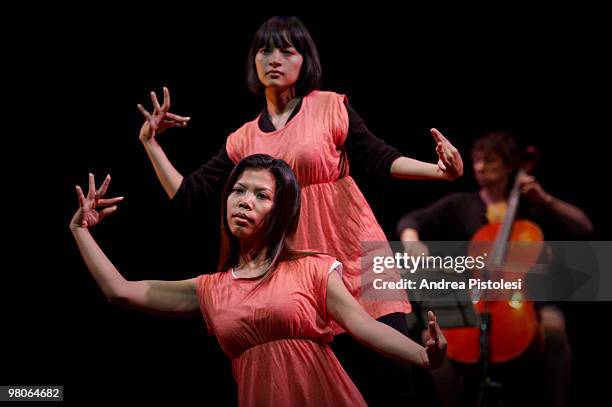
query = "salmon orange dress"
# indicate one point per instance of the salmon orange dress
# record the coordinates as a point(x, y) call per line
point(335, 217)
point(277, 334)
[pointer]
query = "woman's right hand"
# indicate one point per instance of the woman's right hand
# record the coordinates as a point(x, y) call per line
point(89, 213)
point(160, 120)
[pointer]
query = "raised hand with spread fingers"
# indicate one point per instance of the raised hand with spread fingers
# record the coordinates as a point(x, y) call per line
point(93, 207)
point(161, 119)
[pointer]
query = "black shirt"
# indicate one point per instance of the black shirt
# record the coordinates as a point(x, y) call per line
point(457, 216)
point(364, 152)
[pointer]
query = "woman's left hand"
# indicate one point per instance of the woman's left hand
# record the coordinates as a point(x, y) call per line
point(435, 346)
point(449, 159)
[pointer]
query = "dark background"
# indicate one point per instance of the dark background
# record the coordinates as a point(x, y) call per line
point(77, 79)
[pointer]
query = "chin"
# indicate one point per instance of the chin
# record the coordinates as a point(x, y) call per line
point(483, 183)
point(273, 84)
point(239, 232)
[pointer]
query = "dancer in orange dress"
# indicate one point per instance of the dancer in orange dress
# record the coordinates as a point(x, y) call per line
point(269, 306)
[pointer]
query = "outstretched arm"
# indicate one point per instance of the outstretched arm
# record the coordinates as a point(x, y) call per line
point(161, 297)
point(152, 296)
point(155, 123)
point(449, 166)
point(347, 312)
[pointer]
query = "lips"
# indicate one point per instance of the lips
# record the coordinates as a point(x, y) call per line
point(275, 73)
point(240, 215)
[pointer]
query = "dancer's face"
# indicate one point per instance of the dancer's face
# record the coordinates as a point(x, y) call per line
point(278, 67)
point(490, 169)
point(250, 202)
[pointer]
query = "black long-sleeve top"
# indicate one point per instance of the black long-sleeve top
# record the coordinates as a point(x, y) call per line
point(364, 150)
point(457, 216)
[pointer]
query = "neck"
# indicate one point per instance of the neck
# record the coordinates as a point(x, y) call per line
point(494, 193)
point(249, 259)
point(280, 101)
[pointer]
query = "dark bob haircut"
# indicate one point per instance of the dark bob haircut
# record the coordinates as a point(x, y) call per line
point(280, 224)
point(282, 32)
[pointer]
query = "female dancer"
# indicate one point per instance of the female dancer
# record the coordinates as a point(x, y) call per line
point(269, 306)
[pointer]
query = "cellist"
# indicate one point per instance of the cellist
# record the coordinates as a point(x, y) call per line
point(457, 217)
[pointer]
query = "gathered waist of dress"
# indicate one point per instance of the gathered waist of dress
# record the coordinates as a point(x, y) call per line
point(347, 179)
point(276, 342)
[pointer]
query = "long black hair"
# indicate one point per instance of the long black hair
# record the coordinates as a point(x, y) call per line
point(281, 32)
point(280, 224)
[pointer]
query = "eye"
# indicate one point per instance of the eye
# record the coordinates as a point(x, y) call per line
point(262, 196)
point(237, 190)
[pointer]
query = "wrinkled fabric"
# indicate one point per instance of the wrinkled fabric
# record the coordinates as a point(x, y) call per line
point(276, 335)
point(335, 217)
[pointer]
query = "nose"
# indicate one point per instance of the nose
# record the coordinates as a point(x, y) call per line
point(275, 58)
point(246, 202)
point(478, 165)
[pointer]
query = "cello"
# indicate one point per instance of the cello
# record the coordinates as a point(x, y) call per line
point(507, 325)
